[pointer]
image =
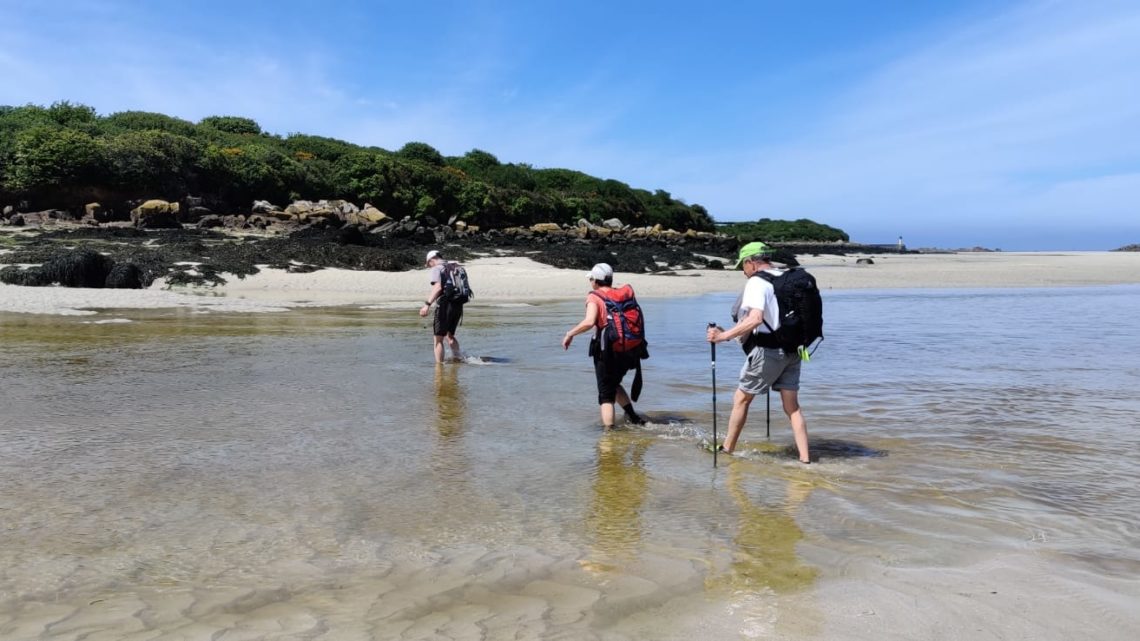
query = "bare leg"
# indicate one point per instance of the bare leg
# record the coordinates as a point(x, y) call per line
point(607, 410)
point(454, 344)
point(438, 349)
point(740, 402)
point(790, 398)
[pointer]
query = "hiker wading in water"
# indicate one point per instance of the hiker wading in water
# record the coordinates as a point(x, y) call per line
point(448, 313)
point(611, 362)
point(765, 367)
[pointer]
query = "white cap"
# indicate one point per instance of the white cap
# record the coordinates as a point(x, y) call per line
point(601, 271)
point(432, 254)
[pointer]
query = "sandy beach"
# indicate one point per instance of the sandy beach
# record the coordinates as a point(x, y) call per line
point(516, 279)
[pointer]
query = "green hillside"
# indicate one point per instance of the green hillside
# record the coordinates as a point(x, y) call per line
point(66, 155)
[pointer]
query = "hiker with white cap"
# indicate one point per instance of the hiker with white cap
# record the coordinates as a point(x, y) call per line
point(450, 288)
point(618, 345)
point(757, 316)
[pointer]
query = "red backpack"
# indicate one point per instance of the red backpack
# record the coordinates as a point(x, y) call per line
point(624, 330)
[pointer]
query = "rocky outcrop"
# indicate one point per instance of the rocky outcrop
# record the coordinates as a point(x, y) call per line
point(156, 214)
point(76, 268)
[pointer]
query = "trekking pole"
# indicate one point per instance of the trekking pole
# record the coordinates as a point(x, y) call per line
point(712, 346)
point(768, 418)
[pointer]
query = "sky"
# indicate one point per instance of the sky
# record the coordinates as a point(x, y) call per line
point(1006, 125)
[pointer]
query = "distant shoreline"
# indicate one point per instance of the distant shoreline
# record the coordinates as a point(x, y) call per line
point(515, 279)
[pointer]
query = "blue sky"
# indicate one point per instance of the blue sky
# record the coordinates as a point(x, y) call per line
point(1012, 125)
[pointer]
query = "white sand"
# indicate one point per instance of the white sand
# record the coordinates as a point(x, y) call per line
point(498, 280)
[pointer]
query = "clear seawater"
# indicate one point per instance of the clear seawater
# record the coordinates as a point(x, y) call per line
point(313, 475)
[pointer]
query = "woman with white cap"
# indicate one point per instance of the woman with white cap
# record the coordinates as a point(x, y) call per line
point(611, 365)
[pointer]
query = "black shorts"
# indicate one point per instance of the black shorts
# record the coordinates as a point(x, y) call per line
point(609, 369)
point(447, 317)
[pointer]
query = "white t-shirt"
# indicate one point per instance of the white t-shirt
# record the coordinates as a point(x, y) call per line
point(437, 271)
point(759, 294)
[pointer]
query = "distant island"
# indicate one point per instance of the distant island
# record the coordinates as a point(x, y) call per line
point(66, 156)
point(123, 199)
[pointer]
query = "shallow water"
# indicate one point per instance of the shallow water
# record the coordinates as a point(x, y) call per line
point(312, 475)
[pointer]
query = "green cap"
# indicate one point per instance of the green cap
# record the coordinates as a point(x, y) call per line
point(752, 249)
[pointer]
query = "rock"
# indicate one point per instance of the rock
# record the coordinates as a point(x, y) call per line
point(385, 228)
point(460, 225)
point(124, 276)
point(234, 222)
point(613, 224)
point(280, 215)
point(865, 261)
point(299, 208)
point(95, 212)
point(8, 211)
point(78, 268)
point(263, 207)
point(30, 218)
point(344, 207)
point(156, 214)
point(372, 215)
point(320, 214)
point(545, 228)
point(210, 221)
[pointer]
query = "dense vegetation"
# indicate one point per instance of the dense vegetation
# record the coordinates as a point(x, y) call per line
point(66, 155)
point(783, 231)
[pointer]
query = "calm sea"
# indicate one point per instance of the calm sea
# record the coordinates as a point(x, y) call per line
point(313, 475)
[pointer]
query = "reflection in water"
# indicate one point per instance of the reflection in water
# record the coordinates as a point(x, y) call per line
point(620, 487)
point(764, 554)
point(450, 402)
point(449, 461)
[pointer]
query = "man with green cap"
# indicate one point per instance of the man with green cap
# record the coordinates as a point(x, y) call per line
point(757, 313)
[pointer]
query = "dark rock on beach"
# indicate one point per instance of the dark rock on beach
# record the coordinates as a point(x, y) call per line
point(185, 242)
point(69, 268)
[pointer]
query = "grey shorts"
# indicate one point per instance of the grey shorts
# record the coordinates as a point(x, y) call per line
point(766, 366)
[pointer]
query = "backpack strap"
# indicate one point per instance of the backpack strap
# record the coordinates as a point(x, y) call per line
point(771, 281)
point(603, 317)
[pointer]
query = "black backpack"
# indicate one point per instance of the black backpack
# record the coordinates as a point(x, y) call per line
point(456, 287)
point(801, 312)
